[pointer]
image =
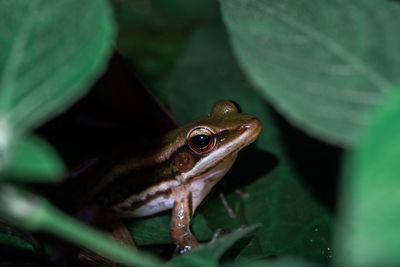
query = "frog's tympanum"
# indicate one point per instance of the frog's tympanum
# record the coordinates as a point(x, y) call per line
point(181, 170)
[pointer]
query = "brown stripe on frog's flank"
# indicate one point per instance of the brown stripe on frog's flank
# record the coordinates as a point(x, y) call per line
point(136, 181)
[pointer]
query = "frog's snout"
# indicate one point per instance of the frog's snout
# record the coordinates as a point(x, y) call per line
point(254, 127)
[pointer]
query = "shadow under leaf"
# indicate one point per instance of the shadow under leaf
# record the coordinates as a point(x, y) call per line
point(252, 163)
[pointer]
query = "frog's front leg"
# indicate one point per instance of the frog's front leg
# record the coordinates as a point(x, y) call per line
point(182, 213)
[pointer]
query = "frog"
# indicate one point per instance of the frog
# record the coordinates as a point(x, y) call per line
point(179, 170)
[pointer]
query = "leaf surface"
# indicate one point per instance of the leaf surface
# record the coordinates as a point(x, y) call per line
point(51, 51)
point(32, 159)
point(322, 64)
point(369, 225)
point(208, 254)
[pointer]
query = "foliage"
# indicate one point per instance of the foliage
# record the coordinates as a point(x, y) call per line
point(322, 52)
point(51, 52)
point(327, 67)
point(369, 221)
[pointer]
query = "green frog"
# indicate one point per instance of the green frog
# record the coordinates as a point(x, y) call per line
point(180, 169)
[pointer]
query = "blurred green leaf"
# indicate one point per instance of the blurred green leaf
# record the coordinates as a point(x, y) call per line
point(323, 64)
point(51, 51)
point(32, 159)
point(209, 254)
point(369, 229)
point(34, 213)
point(293, 221)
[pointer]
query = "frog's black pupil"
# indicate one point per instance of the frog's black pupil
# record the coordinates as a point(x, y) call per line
point(201, 140)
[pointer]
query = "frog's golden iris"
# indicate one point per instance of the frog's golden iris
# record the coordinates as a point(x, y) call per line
point(201, 140)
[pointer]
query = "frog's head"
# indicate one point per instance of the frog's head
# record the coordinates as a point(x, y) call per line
point(212, 142)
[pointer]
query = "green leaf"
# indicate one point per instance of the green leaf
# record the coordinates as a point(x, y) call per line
point(36, 214)
point(208, 255)
point(369, 225)
point(293, 221)
point(51, 51)
point(322, 64)
point(32, 159)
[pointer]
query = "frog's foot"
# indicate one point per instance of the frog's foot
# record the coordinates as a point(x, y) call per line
point(185, 242)
point(181, 251)
point(184, 245)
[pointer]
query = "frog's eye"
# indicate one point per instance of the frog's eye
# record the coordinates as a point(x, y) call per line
point(201, 140)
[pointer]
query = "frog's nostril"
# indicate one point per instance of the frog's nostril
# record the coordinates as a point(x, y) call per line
point(255, 125)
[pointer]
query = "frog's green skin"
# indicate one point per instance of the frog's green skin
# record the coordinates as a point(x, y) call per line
point(174, 176)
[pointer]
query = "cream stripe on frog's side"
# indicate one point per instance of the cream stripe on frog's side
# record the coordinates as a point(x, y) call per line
point(157, 204)
point(199, 188)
